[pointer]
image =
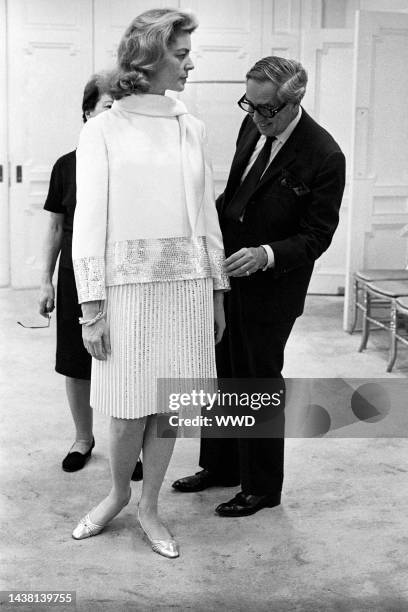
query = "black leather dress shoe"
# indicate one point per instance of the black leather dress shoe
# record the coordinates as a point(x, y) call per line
point(245, 505)
point(138, 471)
point(200, 481)
point(76, 461)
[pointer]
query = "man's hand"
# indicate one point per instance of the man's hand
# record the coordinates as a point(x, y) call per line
point(96, 339)
point(246, 261)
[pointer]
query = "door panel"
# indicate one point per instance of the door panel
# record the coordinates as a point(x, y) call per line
point(379, 185)
point(50, 59)
point(327, 54)
point(4, 177)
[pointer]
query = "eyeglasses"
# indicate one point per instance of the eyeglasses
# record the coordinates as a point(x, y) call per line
point(265, 110)
point(36, 326)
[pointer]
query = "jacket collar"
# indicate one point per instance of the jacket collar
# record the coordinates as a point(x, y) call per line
point(153, 105)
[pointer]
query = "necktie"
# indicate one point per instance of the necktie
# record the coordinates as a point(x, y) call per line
point(236, 207)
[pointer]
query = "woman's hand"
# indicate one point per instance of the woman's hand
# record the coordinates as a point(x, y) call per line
point(46, 301)
point(96, 339)
point(51, 248)
point(219, 316)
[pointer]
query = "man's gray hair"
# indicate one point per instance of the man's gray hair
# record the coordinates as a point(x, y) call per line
point(288, 75)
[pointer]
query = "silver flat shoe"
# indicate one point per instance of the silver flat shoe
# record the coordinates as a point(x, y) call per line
point(86, 528)
point(165, 548)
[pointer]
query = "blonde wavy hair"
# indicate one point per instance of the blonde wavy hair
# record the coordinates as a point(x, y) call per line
point(143, 46)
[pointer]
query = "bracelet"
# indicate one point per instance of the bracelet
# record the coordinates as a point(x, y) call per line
point(89, 322)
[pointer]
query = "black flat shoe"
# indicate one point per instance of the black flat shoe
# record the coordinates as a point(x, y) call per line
point(75, 461)
point(245, 505)
point(138, 471)
point(201, 481)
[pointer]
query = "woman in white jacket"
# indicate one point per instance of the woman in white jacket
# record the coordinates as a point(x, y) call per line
point(148, 258)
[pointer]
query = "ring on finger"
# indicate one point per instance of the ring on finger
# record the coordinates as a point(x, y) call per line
point(247, 273)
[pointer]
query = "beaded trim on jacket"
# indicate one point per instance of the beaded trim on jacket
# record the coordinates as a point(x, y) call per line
point(144, 261)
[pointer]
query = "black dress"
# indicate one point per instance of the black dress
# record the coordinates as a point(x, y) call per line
point(71, 358)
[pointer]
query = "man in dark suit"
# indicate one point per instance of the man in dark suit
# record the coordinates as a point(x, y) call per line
point(278, 214)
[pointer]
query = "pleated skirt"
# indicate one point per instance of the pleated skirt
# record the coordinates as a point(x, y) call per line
point(159, 330)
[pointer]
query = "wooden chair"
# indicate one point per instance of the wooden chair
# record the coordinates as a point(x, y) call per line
point(399, 314)
point(383, 294)
point(361, 277)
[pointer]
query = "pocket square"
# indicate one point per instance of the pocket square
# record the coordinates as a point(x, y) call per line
point(301, 189)
point(292, 182)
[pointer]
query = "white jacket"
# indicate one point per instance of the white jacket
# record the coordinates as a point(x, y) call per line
point(145, 203)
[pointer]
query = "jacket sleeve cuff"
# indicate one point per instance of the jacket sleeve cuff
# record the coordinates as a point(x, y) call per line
point(90, 278)
point(220, 278)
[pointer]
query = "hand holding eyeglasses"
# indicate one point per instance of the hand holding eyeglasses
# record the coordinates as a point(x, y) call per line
point(46, 305)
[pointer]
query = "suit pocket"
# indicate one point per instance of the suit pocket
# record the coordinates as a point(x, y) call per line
point(292, 182)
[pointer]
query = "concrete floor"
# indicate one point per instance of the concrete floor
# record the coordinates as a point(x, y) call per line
point(338, 542)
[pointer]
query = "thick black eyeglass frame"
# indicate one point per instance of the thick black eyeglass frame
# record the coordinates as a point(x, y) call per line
point(263, 109)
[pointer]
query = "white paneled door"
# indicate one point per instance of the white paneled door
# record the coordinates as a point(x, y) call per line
point(49, 61)
point(4, 188)
point(379, 183)
point(327, 55)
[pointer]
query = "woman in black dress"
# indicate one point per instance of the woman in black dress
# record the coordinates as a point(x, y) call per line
point(72, 360)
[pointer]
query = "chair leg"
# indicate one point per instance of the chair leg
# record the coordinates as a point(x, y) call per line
point(393, 338)
point(366, 323)
point(355, 292)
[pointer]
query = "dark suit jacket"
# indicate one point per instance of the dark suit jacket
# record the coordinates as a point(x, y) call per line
point(294, 209)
